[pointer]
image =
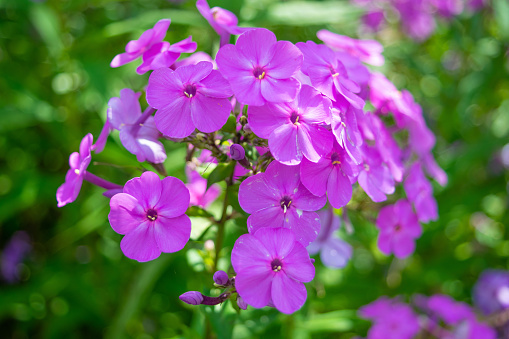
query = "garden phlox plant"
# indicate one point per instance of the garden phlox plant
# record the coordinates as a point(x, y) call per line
point(288, 135)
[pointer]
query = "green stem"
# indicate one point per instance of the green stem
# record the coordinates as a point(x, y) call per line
point(220, 224)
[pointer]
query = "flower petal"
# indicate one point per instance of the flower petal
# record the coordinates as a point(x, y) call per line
point(174, 198)
point(279, 90)
point(209, 114)
point(336, 253)
point(314, 176)
point(255, 193)
point(286, 60)
point(297, 264)
point(278, 241)
point(164, 87)
point(267, 217)
point(256, 45)
point(215, 85)
point(140, 244)
point(146, 189)
point(284, 145)
point(263, 120)
point(339, 188)
point(175, 119)
point(125, 214)
point(305, 225)
point(172, 234)
point(287, 294)
point(307, 201)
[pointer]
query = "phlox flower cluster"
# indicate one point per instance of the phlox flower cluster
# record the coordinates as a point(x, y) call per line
point(286, 127)
point(438, 316)
point(418, 17)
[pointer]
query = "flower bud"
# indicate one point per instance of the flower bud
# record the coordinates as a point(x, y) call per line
point(237, 152)
point(241, 303)
point(221, 278)
point(192, 298)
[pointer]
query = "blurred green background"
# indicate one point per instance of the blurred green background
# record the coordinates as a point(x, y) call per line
point(54, 87)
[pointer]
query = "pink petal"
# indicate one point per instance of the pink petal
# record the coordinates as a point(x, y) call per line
point(125, 214)
point(267, 217)
point(305, 200)
point(279, 242)
point(279, 90)
point(174, 198)
point(124, 110)
point(284, 146)
point(209, 114)
point(287, 294)
point(255, 194)
point(194, 73)
point(297, 264)
point(339, 188)
point(314, 141)
point(147, 189)
point(263, 120)
point(172, 234)
point(286, 60)
point(254, 286)
point(403, 245)
point(336, 253)
point(160, 29)
point(164, 87)
point(175, 119)
point(314, 176)
point(215, 85)
point(256, 45)
point(283, 178)
point(140, 244)
point(305, 225)
point(123, 58)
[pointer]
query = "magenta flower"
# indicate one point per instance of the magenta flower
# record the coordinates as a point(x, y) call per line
point(194, 96)
point(199, 194)
point(346, 130)
point(135, 48)
point(162, 54)
point(491, 291)
point(450, 310)
point(272, 266)
point(78, 163)
point(334, 252)
point(260, 68)
point(368, 51)
point(420, 192)
point(391, 319)
point(294, 129)
point(223, 21)
point(334, 174)
point(277, 198)
point(141, 139)
point(328, 74)
point(416, 18)
point(374, 176)
point(399, 228)
point(150, 213)
point(193, 59)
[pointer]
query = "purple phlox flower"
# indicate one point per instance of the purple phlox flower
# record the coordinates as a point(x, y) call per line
point(13, 254)
point(399, 228)
point(221, 278)
point(334, 173)
point(449, 310)
point(222, 21)
point(193, 59)
point(374, 20)
point(98, 147)
point(374, 176)
point(261, 69)
point(141, 139)
point(271, 265)
point(277, 198)
point(346, 130)
point(383, 94)
point(416, 18)
point(434, 170)
point(194, 96)
point(420, 192)
point(491, 291)
point(328, 74)
point(162, 54)
point(368, 51)
point(197, 186)
point(356, 70)
point(295, 129)
point(391, 319)
point(475, 5)
point(150, 213)
point(448, 8)
point(334, 252)
point(135, 48)
point(387, 147)
point(78, 163)
point(237, 152)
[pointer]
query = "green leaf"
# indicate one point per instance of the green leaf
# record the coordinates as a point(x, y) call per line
point(231, 125)
point(220, 173)
point(196, 211)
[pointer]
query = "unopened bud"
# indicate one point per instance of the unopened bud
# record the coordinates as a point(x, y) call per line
point(192, 298)
point(237, 152)
point(241, 303)
point(221, 278)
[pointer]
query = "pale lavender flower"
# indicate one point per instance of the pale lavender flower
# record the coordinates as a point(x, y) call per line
point(13, 254)
point(150, 213)
point(374, 176)
point(277, 198)
point(334, 252)
point(271, 266)
point(221, 278)
point(261, 69)
point(420, 192)
point(139, 138)
point(197, 186)
point(491, 291)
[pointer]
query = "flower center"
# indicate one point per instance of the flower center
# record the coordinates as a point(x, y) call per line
point(366, 167)
point(152, 214)
point(333, 72)
point(258, 72)
point(285, 203)
point(190, 90)
point(397, 228)
point(294, 118)
point(335, 159)
point(276, 265)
